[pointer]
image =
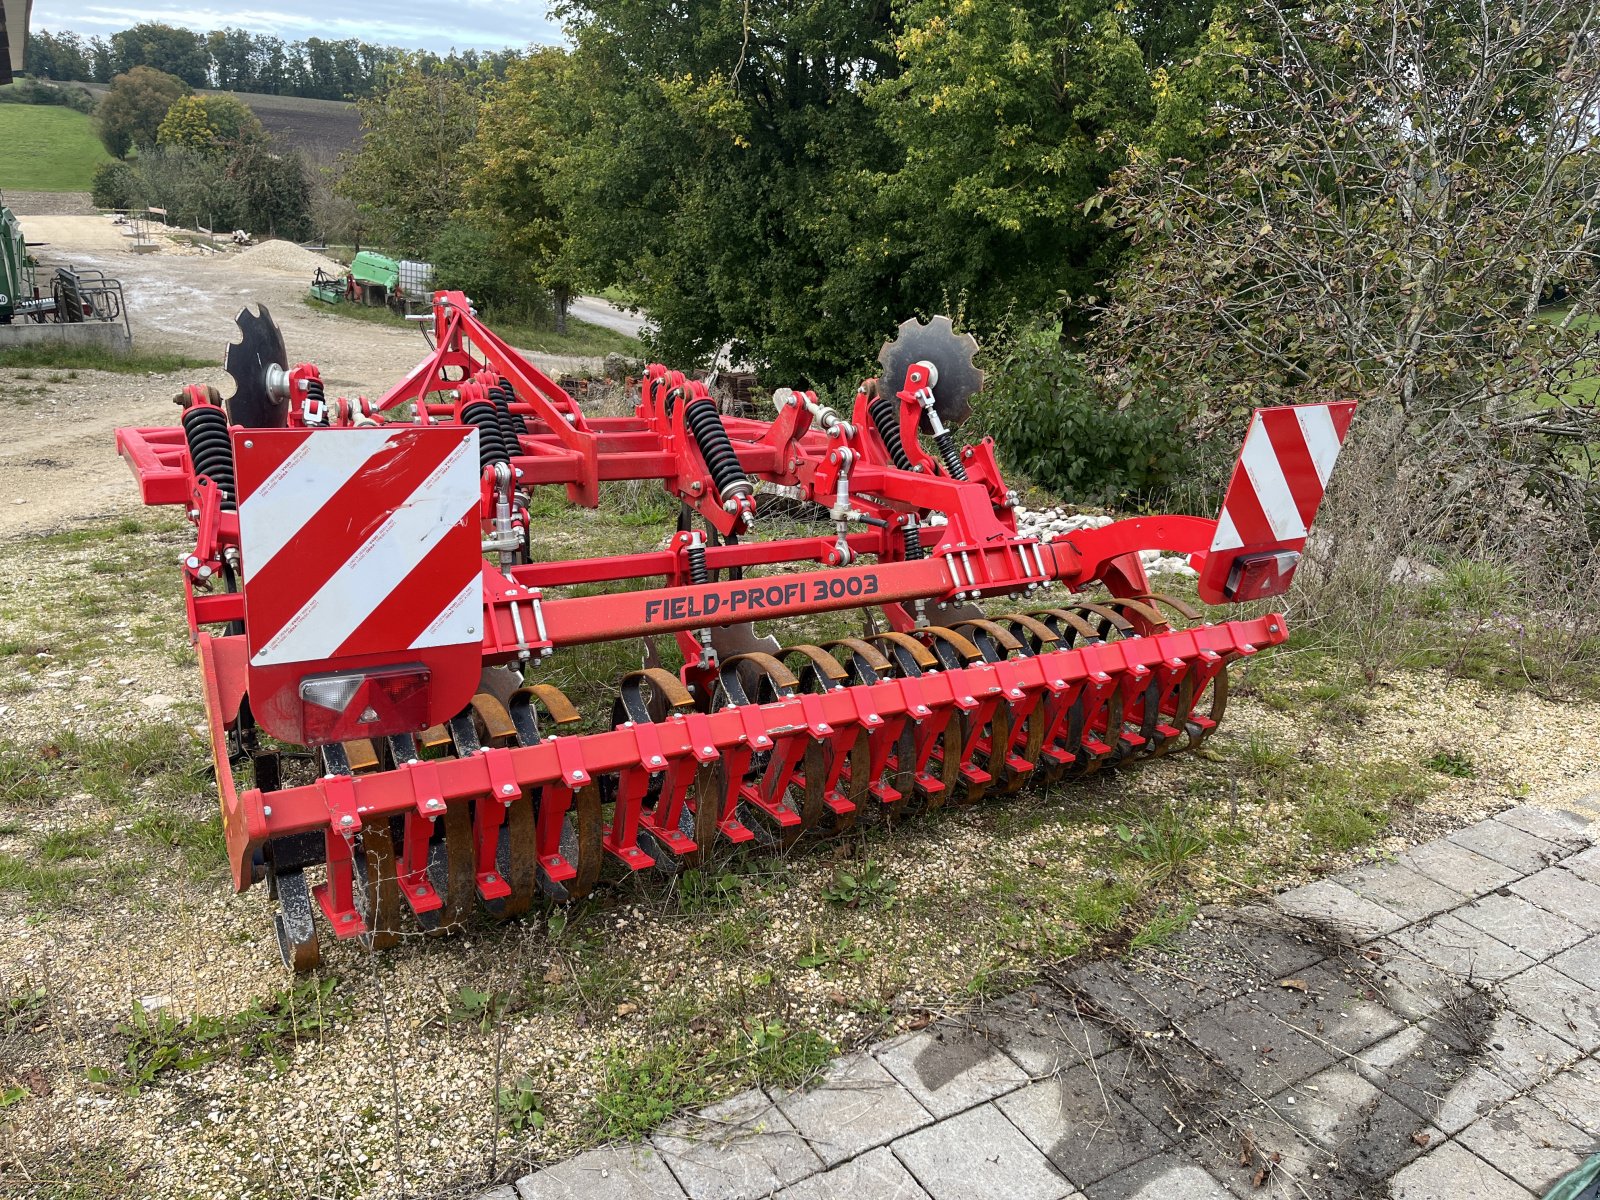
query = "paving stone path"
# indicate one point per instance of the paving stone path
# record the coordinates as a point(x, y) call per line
point(1427, 1029)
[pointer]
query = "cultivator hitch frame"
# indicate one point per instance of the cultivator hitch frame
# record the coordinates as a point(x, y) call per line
point(372, 627)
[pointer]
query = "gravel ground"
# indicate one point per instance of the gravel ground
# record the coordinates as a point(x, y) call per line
point(50, 204)
point(389, 1098)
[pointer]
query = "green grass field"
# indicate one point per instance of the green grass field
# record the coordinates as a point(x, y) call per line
point(44, 148)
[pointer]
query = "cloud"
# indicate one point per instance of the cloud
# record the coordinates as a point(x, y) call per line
point(475, 24)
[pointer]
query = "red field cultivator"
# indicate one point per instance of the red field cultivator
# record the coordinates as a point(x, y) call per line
point(373, 629)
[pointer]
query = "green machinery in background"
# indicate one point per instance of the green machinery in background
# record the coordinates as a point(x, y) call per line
point(74, 296)
point(378, 281)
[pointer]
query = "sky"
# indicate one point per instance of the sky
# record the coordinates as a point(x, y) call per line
point(476, 24)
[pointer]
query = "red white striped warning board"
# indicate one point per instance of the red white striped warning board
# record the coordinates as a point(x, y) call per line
point(358, 541)
point(1277, 484)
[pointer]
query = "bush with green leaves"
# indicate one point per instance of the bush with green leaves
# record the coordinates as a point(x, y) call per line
point(1067, 431)
point(470, 259)
point(116, 185)
point(39, 91)
point(251, 186)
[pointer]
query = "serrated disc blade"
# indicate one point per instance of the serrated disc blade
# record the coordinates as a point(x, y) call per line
point(956, 381)
point(260, 345)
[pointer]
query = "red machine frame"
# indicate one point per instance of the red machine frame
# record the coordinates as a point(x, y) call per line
point(977, 704)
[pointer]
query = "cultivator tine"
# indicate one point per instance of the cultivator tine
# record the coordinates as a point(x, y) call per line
point(1110, 621)
point(1067, 625)
point(297, 932)
point(520, 864)
point(361, 755)
point(769, 800)
point(452, 866)
point(568, 824)
point(502, 822)
point(1144, 618)
point(1161, 600)
point(582, 840)
point(382, 887)
point(655, 815)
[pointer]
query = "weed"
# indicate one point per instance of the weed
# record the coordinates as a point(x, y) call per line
point(13, 1094)
point(869, 885)
point(470, 1006)
point(1448, 762)
point(161, 1042)
point(1099, 907)
point(200, 841)
point(1345, 808)
point(1162, 928)
point(1163, 840)
point(521, 1105)
point(23, 1012)
point(699, 891)
point(43, 885)
point(784, 1057)
point(846, 949)
point(638, 1094)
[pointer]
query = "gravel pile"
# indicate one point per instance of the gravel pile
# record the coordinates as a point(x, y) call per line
point(1055, 522)
point(286, 257)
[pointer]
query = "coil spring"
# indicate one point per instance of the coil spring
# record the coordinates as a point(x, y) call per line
point(491, 449)
point(705, 423)
point(511, 426)
point(698, 572)
point(952, 457)
point(205, 428)
point(912, 536)
point(316, 393)
point(886, 416)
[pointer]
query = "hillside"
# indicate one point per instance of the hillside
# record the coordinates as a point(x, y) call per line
point(322, 129)
point(47, 149)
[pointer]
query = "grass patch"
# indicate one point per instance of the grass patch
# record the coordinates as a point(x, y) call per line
point(47, 148)
point(1346, 807)
point(1163, 929)
point(64, 844)
point(581, 339)
point(98, 358)
point(642, 1090)
point(44, 886)
point(1162, 838)
point(161, 1043)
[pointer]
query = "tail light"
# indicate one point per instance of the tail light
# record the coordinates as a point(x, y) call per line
point(1253, 576)
point(343, 705)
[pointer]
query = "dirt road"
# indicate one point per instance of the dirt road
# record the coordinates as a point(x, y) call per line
point(58, 462)
point(598, 311)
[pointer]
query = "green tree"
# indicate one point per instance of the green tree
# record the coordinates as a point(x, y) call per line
point(132, 111)
point(180, 52)
point(406, 177)
point(715, 175)
point(232, 120)
point(272, 190)
point(186, 124)
point(1009, 116)
point(57, 55)
point(514, 164)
